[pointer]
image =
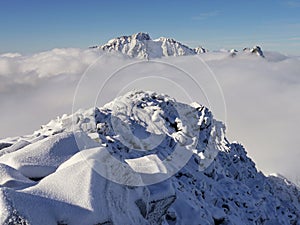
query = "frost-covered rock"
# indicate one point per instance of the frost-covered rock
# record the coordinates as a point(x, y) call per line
point(119, 167)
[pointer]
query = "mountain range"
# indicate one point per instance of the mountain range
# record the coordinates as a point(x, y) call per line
point(140, 45)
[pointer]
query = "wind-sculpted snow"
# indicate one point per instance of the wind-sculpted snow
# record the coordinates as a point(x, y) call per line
point(119, 164)
point(42, 157)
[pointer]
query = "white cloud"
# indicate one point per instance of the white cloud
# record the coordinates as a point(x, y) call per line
point(16, 69)
point(261, 94)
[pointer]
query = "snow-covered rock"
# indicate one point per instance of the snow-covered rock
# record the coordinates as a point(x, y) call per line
point(233, 52)
point(142, 159)
point(256, 50)
point(140, 45)
point(200, 50)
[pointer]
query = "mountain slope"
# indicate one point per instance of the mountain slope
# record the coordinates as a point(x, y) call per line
point(142, 159)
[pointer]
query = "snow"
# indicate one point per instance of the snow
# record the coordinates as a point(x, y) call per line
point(150, 164)
point(145, 158)
point(14, 147)
point(140, 45)
point(81, 196)
point(92, 177)
point(12, 178)
point(42, 157)
point(200, 50)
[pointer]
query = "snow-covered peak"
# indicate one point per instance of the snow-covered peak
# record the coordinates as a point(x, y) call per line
point(143, 158)
point(255, 50)
point(233, 52)
point(140, 45)
point(200, 50)
point(165, 39)
point(141, 36)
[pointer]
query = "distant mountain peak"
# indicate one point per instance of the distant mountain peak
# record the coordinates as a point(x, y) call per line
point(140, 45)
point(167, 39)
point(255, 50)
point(200, 50)
point(141, 36)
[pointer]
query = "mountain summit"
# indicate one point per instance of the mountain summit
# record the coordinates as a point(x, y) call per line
point(143, 158)
point(140, 45)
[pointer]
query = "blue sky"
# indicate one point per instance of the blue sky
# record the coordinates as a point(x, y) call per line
point(34, 25)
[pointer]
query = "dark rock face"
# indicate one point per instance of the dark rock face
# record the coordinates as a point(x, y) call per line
point(4, 145)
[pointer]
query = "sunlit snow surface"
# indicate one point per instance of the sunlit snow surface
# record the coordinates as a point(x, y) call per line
point(62, 173)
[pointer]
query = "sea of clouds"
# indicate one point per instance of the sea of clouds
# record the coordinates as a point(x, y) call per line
point(257, 98)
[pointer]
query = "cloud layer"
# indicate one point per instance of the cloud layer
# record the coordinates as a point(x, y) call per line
point(261, 95)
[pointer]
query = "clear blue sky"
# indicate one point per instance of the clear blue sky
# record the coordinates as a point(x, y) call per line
point(36, 25)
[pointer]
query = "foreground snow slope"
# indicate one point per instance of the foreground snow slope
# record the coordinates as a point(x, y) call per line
point(125, 163)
